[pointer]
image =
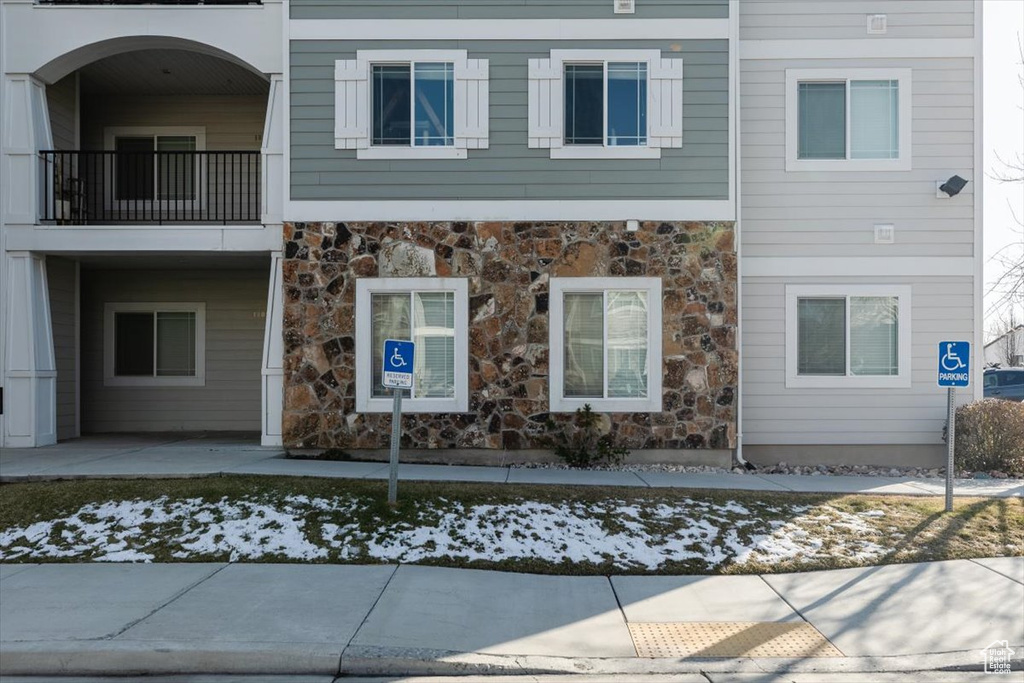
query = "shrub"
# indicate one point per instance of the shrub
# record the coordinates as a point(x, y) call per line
point(990, 436)
point(580, 443)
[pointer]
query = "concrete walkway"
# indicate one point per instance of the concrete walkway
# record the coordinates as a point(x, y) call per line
point(155, 456)
point(95, 619)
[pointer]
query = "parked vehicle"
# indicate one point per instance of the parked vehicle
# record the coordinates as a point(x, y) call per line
point(1004, 383)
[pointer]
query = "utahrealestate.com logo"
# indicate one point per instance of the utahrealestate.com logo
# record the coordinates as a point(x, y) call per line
point(997, 657)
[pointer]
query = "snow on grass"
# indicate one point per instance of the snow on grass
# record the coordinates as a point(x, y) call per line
point(637, 535)
point(129, 531)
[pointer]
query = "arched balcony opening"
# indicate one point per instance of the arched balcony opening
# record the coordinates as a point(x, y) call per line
point(164, 135)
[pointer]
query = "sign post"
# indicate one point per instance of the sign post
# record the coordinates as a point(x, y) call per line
point(954, 371)
point(397, 375)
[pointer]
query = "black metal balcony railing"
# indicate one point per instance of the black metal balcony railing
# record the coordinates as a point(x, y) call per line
point(149, 2)
point(82, 188)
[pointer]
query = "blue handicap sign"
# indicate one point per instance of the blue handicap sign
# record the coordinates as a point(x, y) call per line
point(954, 363)
point(398, 358)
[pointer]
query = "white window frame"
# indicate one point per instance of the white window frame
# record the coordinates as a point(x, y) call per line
point(109, 352)
point(902, 380)
point(794, 77)
point(559, 58)
point(559, 286)
point(365, 288)
point(110, 135)
point(355, 117)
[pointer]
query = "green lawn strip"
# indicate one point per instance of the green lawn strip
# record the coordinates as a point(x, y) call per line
point(910, 529)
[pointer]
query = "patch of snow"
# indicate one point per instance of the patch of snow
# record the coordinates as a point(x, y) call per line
point(624, 534)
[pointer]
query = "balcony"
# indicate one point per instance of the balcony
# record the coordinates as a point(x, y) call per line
point(150, 187)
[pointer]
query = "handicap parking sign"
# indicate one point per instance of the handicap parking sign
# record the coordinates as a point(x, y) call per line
point(954, 363)
point(398, 357)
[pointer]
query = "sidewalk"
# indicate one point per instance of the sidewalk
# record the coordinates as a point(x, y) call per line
point(166, 456)
point(82, 619)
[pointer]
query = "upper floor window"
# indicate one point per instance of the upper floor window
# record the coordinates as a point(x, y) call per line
point(847, 336)
point(158, 164)
point(605, 104)
point(411, 104)
point(848, 119)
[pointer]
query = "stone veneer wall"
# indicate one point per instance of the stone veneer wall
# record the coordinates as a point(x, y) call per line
point(509, 266)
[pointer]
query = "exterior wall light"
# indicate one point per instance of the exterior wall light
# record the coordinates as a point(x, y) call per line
point(951, 187)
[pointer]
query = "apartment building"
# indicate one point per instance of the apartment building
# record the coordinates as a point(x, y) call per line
point(716, 222)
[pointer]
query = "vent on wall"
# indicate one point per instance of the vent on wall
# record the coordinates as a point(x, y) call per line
point(625, 6)
point(877, 24)
point(885, 233)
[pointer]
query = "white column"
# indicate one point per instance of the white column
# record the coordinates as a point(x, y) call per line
point(27, 131)
point(30, 373)
point(273, 356)
point(273, 180)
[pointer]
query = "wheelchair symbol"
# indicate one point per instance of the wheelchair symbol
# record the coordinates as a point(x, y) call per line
point(950, 361)
point(396, 360)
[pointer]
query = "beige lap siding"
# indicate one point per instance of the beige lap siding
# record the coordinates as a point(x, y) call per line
point(509, 266)
point(60, 278)
point(62, 102)
point(230, 399)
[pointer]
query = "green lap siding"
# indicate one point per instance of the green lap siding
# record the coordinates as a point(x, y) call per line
point(504, 9)
point(509, 169)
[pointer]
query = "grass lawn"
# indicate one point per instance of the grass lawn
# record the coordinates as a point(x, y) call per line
point(543, 529)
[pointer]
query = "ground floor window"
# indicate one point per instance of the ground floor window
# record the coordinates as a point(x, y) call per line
point(154, 344)
point(605, 336)
point(431, 312)
point(847, 335)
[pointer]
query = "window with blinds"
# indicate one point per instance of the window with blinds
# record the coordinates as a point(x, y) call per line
point(427, 319)
point(604, 343)
point(848, 336)
point(431, 312)
point(848, 119)
point(605, 348)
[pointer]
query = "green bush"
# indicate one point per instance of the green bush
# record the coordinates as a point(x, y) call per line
point(581, 444)
point(990, 436)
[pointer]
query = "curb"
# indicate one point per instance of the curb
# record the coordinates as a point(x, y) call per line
point(365, 661)
point(1017, 492)
point(141, 658)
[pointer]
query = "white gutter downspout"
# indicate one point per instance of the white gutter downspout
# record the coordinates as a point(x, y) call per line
point(979, 202)
point(734, 113)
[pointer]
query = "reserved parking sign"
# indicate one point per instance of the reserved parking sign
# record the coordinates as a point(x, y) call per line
point(954, 364)
point(398, 359)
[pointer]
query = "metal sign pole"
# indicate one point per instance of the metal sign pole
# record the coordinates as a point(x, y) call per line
point(950, 445)
point(396, 437)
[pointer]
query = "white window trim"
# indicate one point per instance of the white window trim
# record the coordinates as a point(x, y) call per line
point(796, 76)
point(902, 380)
point(369, 58)
point(110, 135)
point(649, 57)
point(365, 287)
point(112, 380)
point(558, 288)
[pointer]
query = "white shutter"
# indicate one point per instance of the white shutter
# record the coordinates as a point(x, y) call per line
point(545, 103)
point(472, 104)
point(351, 104)
point(666, 103)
